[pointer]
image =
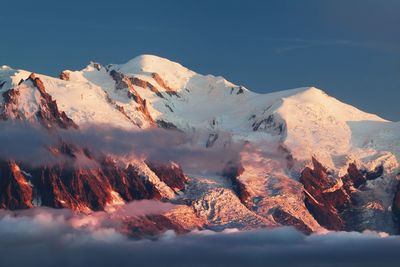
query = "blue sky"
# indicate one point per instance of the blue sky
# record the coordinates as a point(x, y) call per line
point(349, 48)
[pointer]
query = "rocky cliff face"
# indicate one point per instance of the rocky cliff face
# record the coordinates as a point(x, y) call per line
point(82, 188)
point(18, 105)
point(325, 196)
point(15, 190)
point(337, 202)
point(171, 174)
point(123, 82)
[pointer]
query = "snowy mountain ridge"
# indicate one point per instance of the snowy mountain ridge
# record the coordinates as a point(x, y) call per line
point(297, 136)
point(305, 117)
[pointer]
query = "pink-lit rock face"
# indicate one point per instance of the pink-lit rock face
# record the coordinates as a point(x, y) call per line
point(284, 218)
point(232, 171)
point(333, 201)
point(324, 204)
point(171, 174)
point(65, 75)
point(124, 82)
point(80, 187)
point(15, 192)
point(47, 112)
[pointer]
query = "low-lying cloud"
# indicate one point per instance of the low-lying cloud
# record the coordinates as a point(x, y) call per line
point(45, 237)
point(158, 145)
point(29, 143)
point(26, 142)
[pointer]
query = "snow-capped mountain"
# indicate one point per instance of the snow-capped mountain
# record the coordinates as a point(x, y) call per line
point(306, 159)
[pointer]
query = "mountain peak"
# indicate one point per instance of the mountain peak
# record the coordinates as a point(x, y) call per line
point(313, 97)
point(152, 63)
point(308, 93)
point(174, 74)
point(314, 90)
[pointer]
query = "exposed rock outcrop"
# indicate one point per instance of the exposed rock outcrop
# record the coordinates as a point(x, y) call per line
point(325, 196)
point(47, 112)
point(166, 125)
point(356, 178)
point(15, 191)
point(97, 66)
point(269, 124)
point(232, 171)
point(146, 85)
point(284, 218)
point(124, 82)
point(212, 138)
point(69, 184)
point(79, 189)
point(65, 75)
point(121, 109)
point(164, 85)
point(331, 200)
point(171, 174)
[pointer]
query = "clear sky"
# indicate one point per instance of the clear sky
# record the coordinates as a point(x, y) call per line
point(349, 48)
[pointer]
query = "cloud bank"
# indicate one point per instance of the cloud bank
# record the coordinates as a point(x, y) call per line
point(29, 143)
point(45, 237)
